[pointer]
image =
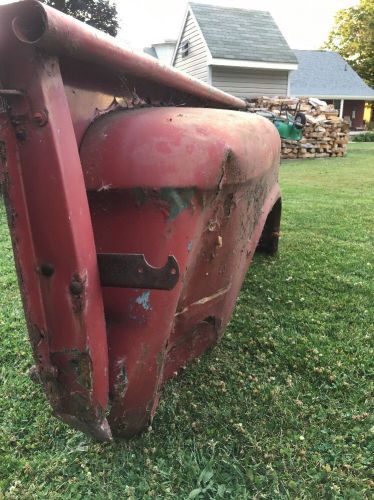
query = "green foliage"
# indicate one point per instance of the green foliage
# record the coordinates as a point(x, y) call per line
point(101, 14)
point(353, 38)
point(281, 409)
point(367, 137)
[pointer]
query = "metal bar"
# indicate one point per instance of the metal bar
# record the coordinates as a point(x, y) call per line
point(52, 198)
point(59, 34)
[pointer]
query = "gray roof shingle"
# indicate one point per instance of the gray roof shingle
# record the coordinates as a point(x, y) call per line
point(249, 35)
point(325, 73)
point(151, 51)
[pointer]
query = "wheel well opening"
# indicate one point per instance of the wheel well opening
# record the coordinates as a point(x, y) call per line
point(269, 239)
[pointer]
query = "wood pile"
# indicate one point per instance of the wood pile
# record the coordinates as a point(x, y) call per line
point(324, 135)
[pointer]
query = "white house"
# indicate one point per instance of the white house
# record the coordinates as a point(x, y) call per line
point(163, 51)
point(239, 51)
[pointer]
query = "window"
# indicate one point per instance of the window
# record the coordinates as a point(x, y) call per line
point(185, 48)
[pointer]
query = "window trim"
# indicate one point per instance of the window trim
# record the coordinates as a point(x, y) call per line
point(185, 48)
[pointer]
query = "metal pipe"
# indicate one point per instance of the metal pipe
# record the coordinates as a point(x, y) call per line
point(60, 34)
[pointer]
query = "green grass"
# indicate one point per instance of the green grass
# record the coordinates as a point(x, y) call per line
point(282, 408)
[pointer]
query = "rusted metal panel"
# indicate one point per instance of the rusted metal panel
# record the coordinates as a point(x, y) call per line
point(133, 271)
point(115, 165)
point(185, 183)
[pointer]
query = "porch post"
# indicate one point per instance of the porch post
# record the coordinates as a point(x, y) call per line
point(341, 108)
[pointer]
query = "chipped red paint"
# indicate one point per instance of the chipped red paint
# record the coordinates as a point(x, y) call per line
point(108, 152)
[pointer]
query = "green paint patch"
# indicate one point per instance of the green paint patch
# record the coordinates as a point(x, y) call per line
point(177, 200)
point(282, 408)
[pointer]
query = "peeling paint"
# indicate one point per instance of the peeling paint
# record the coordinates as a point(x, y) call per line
point(228, 203)
point(173, 201)
point(121, 381)
point(77, 289)
point(178, 200)
point(204, 300)
point(143, 300)
point(189, 246)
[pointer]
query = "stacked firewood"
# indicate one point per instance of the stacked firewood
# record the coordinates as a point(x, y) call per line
point(324, 135)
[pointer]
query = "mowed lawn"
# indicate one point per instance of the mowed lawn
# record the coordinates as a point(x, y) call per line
point(282, 408)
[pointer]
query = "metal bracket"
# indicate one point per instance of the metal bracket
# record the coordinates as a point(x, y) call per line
point(4, 93)
point(12, 92)
point(133, 271)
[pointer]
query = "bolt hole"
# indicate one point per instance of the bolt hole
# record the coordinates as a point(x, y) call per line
point(173, 271)
point(47, 270)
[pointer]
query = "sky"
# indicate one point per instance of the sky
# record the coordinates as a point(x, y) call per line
point(304, 23)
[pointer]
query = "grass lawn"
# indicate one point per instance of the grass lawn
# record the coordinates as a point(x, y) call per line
point(282, 408)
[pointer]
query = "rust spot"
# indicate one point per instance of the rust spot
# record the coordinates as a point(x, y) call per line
point(121, 382)
point(47, 374)
point(228, 155)
point(213, 225)
point(68, 389)
point(76, 365)
point(35, 375)
point(3, 153)
point(82, 366)
point(213, 321)
point(227, 204)
point(77, 289)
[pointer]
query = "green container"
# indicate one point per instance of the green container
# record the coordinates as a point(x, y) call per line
point(288, 130)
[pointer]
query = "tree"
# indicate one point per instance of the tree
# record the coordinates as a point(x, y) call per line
point(353, 38)
point(102, 14)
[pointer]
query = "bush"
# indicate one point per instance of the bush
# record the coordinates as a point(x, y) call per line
point(367, 137)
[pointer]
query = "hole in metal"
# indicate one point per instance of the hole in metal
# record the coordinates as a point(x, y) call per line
point(31, 25)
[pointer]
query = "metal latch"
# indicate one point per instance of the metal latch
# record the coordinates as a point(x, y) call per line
point(133, 271)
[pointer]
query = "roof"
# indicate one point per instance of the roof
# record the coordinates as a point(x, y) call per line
point(327, 74)
point(167, 41)
point(241, 34)
point(151, 51)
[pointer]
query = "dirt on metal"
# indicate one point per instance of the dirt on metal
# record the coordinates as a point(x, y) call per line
point(136, 198)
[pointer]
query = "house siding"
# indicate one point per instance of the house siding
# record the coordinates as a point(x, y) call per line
point(196, 63)
point(248, 82)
